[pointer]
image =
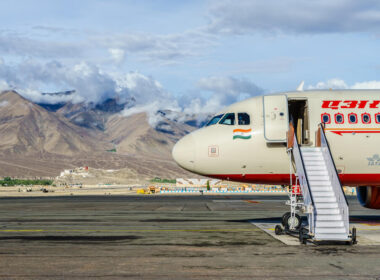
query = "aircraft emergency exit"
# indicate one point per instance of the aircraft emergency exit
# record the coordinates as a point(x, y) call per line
point(249, 141)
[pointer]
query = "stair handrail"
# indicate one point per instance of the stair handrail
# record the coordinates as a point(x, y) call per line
point(334, 177)
point(304, 183)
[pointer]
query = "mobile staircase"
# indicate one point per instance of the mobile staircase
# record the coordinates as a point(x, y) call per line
point(322, 199)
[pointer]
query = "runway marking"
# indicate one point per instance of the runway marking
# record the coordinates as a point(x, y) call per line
point(22, 230)
point(124, 230)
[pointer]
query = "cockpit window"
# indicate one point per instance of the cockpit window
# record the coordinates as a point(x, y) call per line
point(214, 120)
point(243, 119)
point(229, 119)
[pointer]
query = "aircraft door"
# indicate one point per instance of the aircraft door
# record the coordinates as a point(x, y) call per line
point(276, 119)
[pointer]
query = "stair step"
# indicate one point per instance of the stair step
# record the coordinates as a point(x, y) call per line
point(329, 217)
point(329, 224)
point(313, 158)
point(312, 154)
point(314, 163)
point(311, 150)
point(307, 149)
point(330, 230)
point(328, 211)
point(324, 199)
point(319, 183)
point(321, 189)
point(317, 172)
point(316, 167)
point(318, 178)
point(323, 194)
point(324, 205)
point(332, 236)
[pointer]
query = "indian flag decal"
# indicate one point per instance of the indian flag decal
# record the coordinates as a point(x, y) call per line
point(242, 133)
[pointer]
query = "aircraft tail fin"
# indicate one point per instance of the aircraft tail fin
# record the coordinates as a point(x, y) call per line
point(300, 86)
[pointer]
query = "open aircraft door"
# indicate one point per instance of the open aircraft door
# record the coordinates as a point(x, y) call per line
point(276, 118)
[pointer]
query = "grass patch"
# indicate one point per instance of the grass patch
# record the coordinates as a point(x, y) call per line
point(8, 181)
point(159, 180)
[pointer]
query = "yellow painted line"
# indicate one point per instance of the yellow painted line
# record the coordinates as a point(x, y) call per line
point(122, 230)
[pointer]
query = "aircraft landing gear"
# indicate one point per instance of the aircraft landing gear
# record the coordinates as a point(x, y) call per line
point(291, 222)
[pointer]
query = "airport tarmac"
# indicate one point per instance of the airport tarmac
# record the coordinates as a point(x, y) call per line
point(171, 237)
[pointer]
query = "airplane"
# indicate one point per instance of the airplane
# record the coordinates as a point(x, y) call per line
point(249, 141)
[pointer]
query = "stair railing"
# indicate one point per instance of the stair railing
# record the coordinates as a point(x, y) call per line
point(304, 184)
point(334, 177)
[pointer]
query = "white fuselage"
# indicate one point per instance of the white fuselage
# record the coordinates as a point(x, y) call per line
point(257, 152)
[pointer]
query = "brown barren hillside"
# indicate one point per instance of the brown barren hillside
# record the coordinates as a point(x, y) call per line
point(28, 129)
point(134, 136)
point(35, 142)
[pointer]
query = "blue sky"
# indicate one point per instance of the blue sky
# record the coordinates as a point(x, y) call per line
point(194, 54)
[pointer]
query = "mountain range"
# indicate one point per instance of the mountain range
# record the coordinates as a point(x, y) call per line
point(40, 140)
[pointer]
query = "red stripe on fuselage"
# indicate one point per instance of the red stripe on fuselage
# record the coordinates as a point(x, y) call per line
point(352, 131)
point(284, 179)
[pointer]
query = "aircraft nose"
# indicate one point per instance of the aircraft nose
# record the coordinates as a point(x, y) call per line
point(184, 152)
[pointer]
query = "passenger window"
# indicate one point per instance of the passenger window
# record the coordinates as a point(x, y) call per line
point(229, 119)
point(214, 120)
point(366, 118)
point(326, 118)
point(339, 118)
point(352, 118)
point(243, 119)
point(378, 118)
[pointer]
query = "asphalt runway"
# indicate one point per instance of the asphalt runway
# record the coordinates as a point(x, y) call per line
point(167, 237)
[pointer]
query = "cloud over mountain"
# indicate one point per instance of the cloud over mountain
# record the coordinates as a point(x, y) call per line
point(91, 84)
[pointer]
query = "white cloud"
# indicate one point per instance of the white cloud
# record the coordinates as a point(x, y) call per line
point(167, 48)
point(93, 84)
point(31, 78)
point(322, 16)
point(367, 85)
point(12, 43)
point(332, 83)
point(150, 97)
point(227, 90)
point(150, 109)
point(59, 43)
point(341, 84)
point(4, 86)
point(215, 93)
point(117, 55)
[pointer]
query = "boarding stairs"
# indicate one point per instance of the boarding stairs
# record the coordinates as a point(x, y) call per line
point(323, 199)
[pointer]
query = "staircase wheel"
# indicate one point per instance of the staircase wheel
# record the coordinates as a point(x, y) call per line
point(353, 236)
point(278, 230)
point(285, 218)
point(296, 221)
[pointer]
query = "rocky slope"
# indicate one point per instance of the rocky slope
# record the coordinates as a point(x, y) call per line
point(43, 140)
